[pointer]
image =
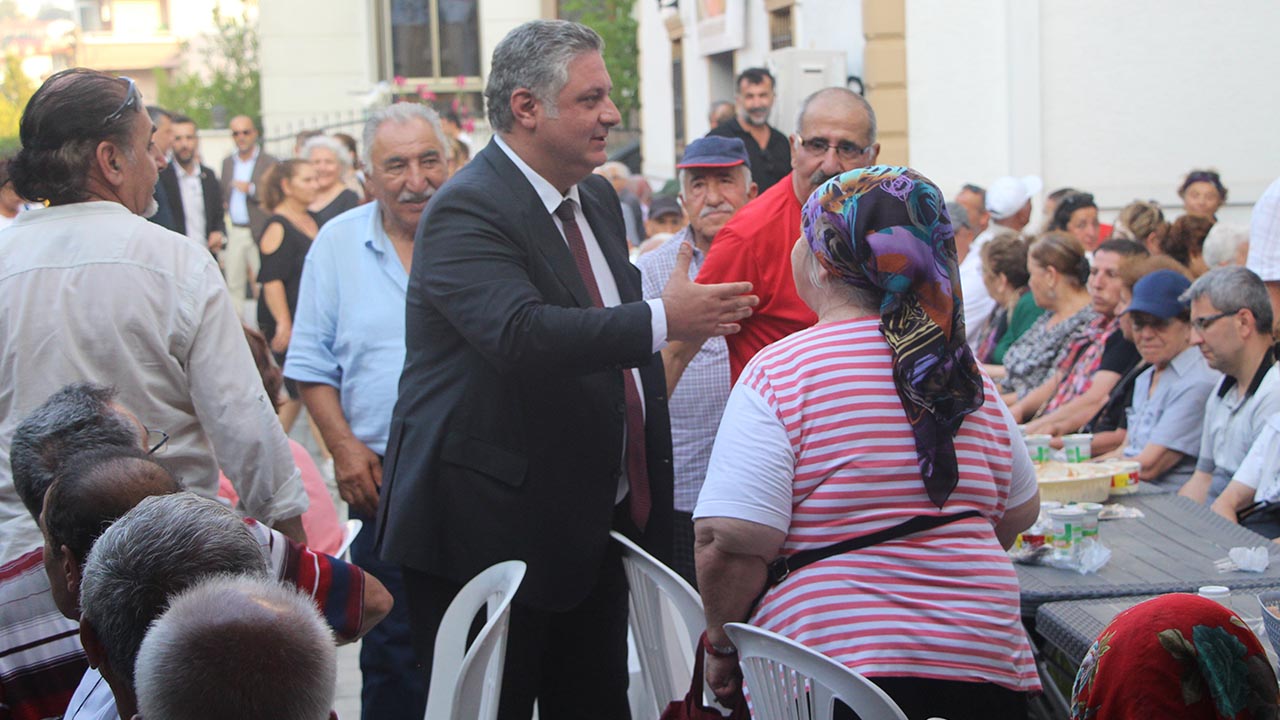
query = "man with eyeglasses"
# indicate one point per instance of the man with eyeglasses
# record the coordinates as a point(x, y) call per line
point(90, 291)
point(1231, 322)
point(766, 147)
point(243, 174)
point(835, 133)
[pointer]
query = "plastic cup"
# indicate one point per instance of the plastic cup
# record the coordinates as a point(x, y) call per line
point(1078, 447)
point(1068, 526)
point(1218, 593)
point(1038, 447)
point(1090, 524)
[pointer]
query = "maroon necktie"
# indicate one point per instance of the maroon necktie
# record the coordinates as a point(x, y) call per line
point(637, 465)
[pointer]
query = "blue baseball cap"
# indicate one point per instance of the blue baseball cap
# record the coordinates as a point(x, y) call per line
point(708, 152)
point(1157, 294)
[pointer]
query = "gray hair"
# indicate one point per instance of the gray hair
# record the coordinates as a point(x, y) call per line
point(534, 56)
point(959, 215)
point(866, 300)
point(158, 549)
point(331, 144)
point(847, 94)
point(214, 654)
point(1231, 289)
point(683, 175)
point(400, 113)
point(1222, 242)
point(77, 418)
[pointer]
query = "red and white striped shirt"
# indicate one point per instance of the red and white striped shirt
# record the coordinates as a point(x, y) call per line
point(815, 443)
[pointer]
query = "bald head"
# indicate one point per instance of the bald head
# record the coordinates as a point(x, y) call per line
point(835, 133)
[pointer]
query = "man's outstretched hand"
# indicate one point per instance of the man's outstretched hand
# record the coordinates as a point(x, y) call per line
point(696, 312)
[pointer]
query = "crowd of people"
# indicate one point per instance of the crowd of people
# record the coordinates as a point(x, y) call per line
point(794, 352)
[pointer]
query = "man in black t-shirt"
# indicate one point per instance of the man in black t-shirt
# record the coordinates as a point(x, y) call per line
point(767, 148)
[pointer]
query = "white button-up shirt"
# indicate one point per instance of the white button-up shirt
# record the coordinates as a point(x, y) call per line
point(192, 189)
point(90, 292)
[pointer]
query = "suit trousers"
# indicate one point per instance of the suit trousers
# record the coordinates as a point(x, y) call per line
point(573, 663)
point(240, 264)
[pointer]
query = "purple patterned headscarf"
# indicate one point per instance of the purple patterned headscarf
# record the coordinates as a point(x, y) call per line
point(886, 229)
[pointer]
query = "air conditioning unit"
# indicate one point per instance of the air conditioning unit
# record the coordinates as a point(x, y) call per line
point(801, 73)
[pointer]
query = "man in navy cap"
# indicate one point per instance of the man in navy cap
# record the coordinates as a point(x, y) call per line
point(715, 180)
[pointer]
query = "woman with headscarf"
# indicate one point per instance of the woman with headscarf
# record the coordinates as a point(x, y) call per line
point(1176, 656)
point(872, 453)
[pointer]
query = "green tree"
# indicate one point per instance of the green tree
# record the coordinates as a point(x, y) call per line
point(15, 89)
point(613, 20)
point(231, 78)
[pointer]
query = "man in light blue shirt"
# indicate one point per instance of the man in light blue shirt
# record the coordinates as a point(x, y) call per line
point(348, 349)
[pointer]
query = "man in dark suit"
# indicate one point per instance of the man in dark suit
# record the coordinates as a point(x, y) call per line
point(195, 199)
point(244, 173)
point(532, 414)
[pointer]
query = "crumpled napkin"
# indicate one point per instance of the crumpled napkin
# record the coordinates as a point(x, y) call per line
point(1254, 559)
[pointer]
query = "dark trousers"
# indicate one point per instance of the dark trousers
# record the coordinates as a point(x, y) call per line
point(393, 687)
point(573, 663)
point(923, 698)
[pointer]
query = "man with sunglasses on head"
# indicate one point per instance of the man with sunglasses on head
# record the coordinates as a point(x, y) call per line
point(1231, 322)
point(90, 291)
point(835, 133)
point(244, 173)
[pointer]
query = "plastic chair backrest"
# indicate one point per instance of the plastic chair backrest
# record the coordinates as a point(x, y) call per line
point(466, 682)
point(666, 669)
point(349, 532)
point(788, 681)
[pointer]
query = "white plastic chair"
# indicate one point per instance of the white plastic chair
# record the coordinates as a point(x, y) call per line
point(466, 682)
point(349, 532)
point(788, 681)
point(666, 659)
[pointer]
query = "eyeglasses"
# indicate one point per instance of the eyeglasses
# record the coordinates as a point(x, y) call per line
point(1202, 323)
point(156, 440)
point(132, 99)
point(845, 149)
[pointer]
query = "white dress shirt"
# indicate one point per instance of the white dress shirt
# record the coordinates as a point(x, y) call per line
point(192, 190)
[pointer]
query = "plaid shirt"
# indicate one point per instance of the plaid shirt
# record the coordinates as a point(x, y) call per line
point(699, 398)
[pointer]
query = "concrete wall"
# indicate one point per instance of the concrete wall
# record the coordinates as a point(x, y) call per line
point(1120, 99)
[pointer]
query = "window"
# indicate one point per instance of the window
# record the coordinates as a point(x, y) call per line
point(433, 42)
point(780, 28)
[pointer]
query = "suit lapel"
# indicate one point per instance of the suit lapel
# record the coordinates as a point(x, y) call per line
point(536, 223)
point(211, 205)
point(173, 196)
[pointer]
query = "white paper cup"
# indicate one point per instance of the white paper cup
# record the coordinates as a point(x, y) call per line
point(1218, 593)
point(1078, 447)
point(1068, 531)
point(1038, 447)
point(1090, 523)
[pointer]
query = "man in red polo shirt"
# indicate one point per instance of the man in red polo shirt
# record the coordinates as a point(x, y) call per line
point(835, 133)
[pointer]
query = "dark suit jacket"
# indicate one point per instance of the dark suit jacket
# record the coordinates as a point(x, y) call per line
point(213, 210)
point(257, 214)
point(506, 442)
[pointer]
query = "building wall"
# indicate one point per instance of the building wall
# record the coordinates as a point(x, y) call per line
point(1120, 99)
point(320, 58)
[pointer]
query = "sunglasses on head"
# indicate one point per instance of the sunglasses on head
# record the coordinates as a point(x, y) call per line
point(132, 99)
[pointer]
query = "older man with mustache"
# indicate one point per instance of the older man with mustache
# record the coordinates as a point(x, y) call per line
point(715, 181)
point(835, 133)
point(347, 350)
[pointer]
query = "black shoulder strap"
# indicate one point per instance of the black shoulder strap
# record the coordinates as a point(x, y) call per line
point(784, 565)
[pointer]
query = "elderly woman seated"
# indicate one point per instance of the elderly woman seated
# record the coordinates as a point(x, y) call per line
point(1004, 274)
point(1176, 656)
point(872, 453)
point(1167, 410)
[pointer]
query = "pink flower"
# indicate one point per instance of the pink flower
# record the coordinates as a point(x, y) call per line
point(398, 80)
point(469, 125)
point(461, 80)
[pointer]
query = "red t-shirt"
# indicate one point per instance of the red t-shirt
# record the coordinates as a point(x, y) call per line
point(756, 246)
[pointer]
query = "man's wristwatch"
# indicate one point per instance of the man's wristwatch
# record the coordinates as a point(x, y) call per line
point(720, 651)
